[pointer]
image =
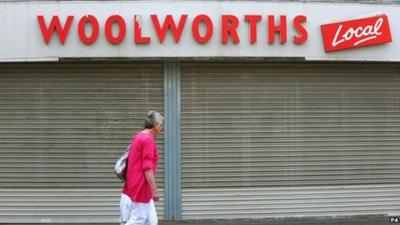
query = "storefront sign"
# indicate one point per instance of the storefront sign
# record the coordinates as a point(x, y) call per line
point(140, 30)
point(356, 33)
point(228, 28)
point(336, 36)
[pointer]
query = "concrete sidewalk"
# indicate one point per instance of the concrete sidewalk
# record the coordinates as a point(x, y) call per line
point(354, 220)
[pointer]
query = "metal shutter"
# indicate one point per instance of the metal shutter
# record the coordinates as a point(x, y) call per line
point(62, 126)
point(283, 140)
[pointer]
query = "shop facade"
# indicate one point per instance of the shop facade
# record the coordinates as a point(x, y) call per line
point(272, 110)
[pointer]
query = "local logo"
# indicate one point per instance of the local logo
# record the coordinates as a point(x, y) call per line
point(356, 33)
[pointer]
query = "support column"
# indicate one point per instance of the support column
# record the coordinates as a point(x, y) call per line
point(172, 141)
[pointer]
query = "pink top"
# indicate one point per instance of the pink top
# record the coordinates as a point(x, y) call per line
point(143, 155)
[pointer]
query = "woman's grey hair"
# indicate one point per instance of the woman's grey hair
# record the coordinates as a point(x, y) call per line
point(153, 118)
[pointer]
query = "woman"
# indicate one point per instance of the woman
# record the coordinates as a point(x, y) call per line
point(140, 189)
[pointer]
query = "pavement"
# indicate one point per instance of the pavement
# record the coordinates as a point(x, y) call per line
point(354, 220)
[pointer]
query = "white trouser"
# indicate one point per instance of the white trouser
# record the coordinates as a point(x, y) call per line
point(135, 213)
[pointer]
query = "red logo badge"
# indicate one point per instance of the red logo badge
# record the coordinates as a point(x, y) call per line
point(356, 33)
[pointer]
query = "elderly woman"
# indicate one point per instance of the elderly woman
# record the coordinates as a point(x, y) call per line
point(140, 189)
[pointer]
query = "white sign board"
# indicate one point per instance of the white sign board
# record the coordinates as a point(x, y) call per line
point(138, 29)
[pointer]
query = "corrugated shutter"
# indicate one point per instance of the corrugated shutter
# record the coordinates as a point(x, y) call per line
point(62, 126)
point(283, 140)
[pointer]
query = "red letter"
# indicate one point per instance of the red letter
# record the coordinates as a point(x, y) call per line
point(195, 28)
point(122, 29)
point(138, 31)
point(253, 20)
point(95, 29)
point(229, 26)
point(55, 25)
point(298, 20)
point(169, 23)
point(272, 29)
